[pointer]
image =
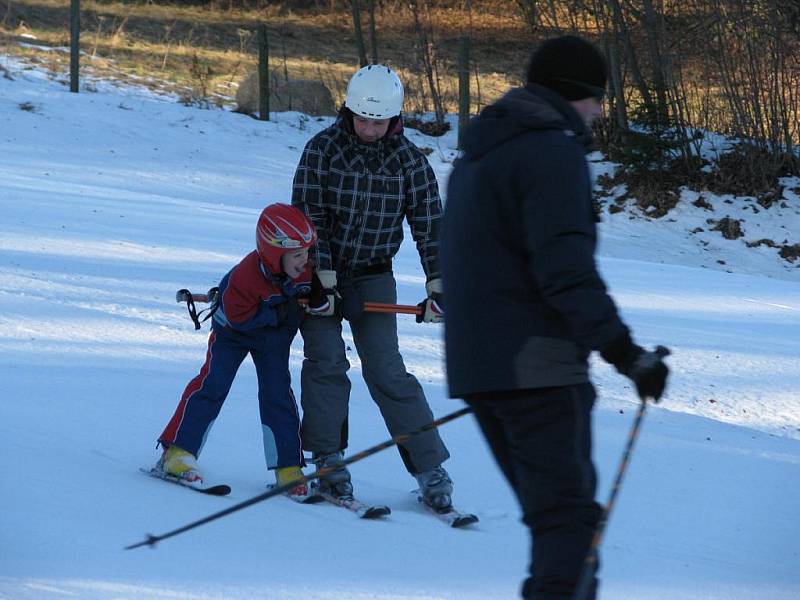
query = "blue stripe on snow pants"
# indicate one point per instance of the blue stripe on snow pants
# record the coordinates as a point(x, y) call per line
point(204, 395)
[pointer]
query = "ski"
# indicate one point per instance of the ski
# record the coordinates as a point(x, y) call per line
point(450, 515)
point(213, 490)
point(363, 511)
point(310, 498)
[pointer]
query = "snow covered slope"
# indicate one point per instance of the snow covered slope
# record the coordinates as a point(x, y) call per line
point(111, 201)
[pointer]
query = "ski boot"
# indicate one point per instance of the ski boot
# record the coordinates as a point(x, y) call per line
point(337, 482)
point(286, 475)
point(436, 488)
point(180, 464)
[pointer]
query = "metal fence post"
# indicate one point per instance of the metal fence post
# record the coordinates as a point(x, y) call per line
point(74, 44)
point(263, 73)
point(373, 36)
point(362, 53)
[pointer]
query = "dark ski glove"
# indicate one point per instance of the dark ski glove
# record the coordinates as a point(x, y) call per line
point(433, 306)
point(325, 300)
point(289, 313)
point(352, 304)
point(645, 368)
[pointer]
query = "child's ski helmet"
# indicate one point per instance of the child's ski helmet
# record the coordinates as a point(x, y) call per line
point(282, 228)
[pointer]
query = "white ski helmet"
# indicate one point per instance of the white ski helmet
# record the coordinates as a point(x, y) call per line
point(375, 92)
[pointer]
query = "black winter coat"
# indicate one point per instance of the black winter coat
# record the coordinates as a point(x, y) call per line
point(525, 303)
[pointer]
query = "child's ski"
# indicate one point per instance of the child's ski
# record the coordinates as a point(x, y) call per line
point(213, 490)
point(309, 498)
point(450, 515)
point(364, 511)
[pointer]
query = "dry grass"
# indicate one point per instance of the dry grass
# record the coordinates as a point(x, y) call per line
point(167, 42)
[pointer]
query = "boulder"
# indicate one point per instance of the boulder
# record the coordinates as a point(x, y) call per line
point(303, 95)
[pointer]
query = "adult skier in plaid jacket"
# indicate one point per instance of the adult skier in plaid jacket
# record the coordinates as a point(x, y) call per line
point(358, 181)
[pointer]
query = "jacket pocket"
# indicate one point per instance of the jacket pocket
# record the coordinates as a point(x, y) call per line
point(386, 195)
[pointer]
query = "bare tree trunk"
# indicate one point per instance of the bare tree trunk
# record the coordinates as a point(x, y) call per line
point(463, 89)
point(621, 28)
point(529, 10)
point(618, 91)
point(611, 41)
point(479, 102)
point(425, 49)
point(651, 21)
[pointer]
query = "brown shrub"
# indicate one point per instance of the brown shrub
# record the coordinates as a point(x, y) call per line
point(731, 229)
point(702, 203)
point(762, 242)
point(431, 128)
point(790, 252)
point(747, 170)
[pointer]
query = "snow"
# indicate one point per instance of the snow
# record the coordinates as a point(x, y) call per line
point(113, 200)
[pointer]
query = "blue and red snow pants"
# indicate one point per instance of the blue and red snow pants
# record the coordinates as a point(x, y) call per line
point(204, 395)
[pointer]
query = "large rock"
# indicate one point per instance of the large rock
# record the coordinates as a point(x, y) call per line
point(303, 95)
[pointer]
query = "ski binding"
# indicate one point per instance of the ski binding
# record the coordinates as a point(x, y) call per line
point(213, 490)
point(310, 498)
point(363, 511)
point(449, 515)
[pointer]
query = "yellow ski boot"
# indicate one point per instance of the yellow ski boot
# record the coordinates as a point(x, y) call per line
point(181, 464)
point(286, 475)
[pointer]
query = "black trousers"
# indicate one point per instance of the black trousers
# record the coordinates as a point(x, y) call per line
point(541, 439)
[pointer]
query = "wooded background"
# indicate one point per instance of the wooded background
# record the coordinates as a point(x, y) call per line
point(678, 68)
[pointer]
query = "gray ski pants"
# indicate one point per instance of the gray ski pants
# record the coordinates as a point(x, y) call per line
point(326, 387)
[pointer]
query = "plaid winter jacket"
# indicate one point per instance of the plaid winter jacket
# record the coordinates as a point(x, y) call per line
point(358, 194)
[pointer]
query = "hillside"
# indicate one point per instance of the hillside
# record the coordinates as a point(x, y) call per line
point(114, 199)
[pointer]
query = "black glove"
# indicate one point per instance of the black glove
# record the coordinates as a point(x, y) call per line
point(645, 368)
point(289, 313)
point(325, 300)
point(649, 373)
point(433, 306)
point(352, 304)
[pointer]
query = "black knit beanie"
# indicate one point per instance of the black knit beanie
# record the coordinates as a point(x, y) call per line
point(570, 66)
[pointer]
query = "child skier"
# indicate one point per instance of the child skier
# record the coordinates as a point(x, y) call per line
point(258, 314)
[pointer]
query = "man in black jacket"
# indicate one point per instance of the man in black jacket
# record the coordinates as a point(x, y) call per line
point(526, 305)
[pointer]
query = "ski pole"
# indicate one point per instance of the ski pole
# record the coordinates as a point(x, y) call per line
point(212, 296)
point(185, 295)
point(590, 564)
point(392, 308)
point(378, 307)
point(152, 540)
